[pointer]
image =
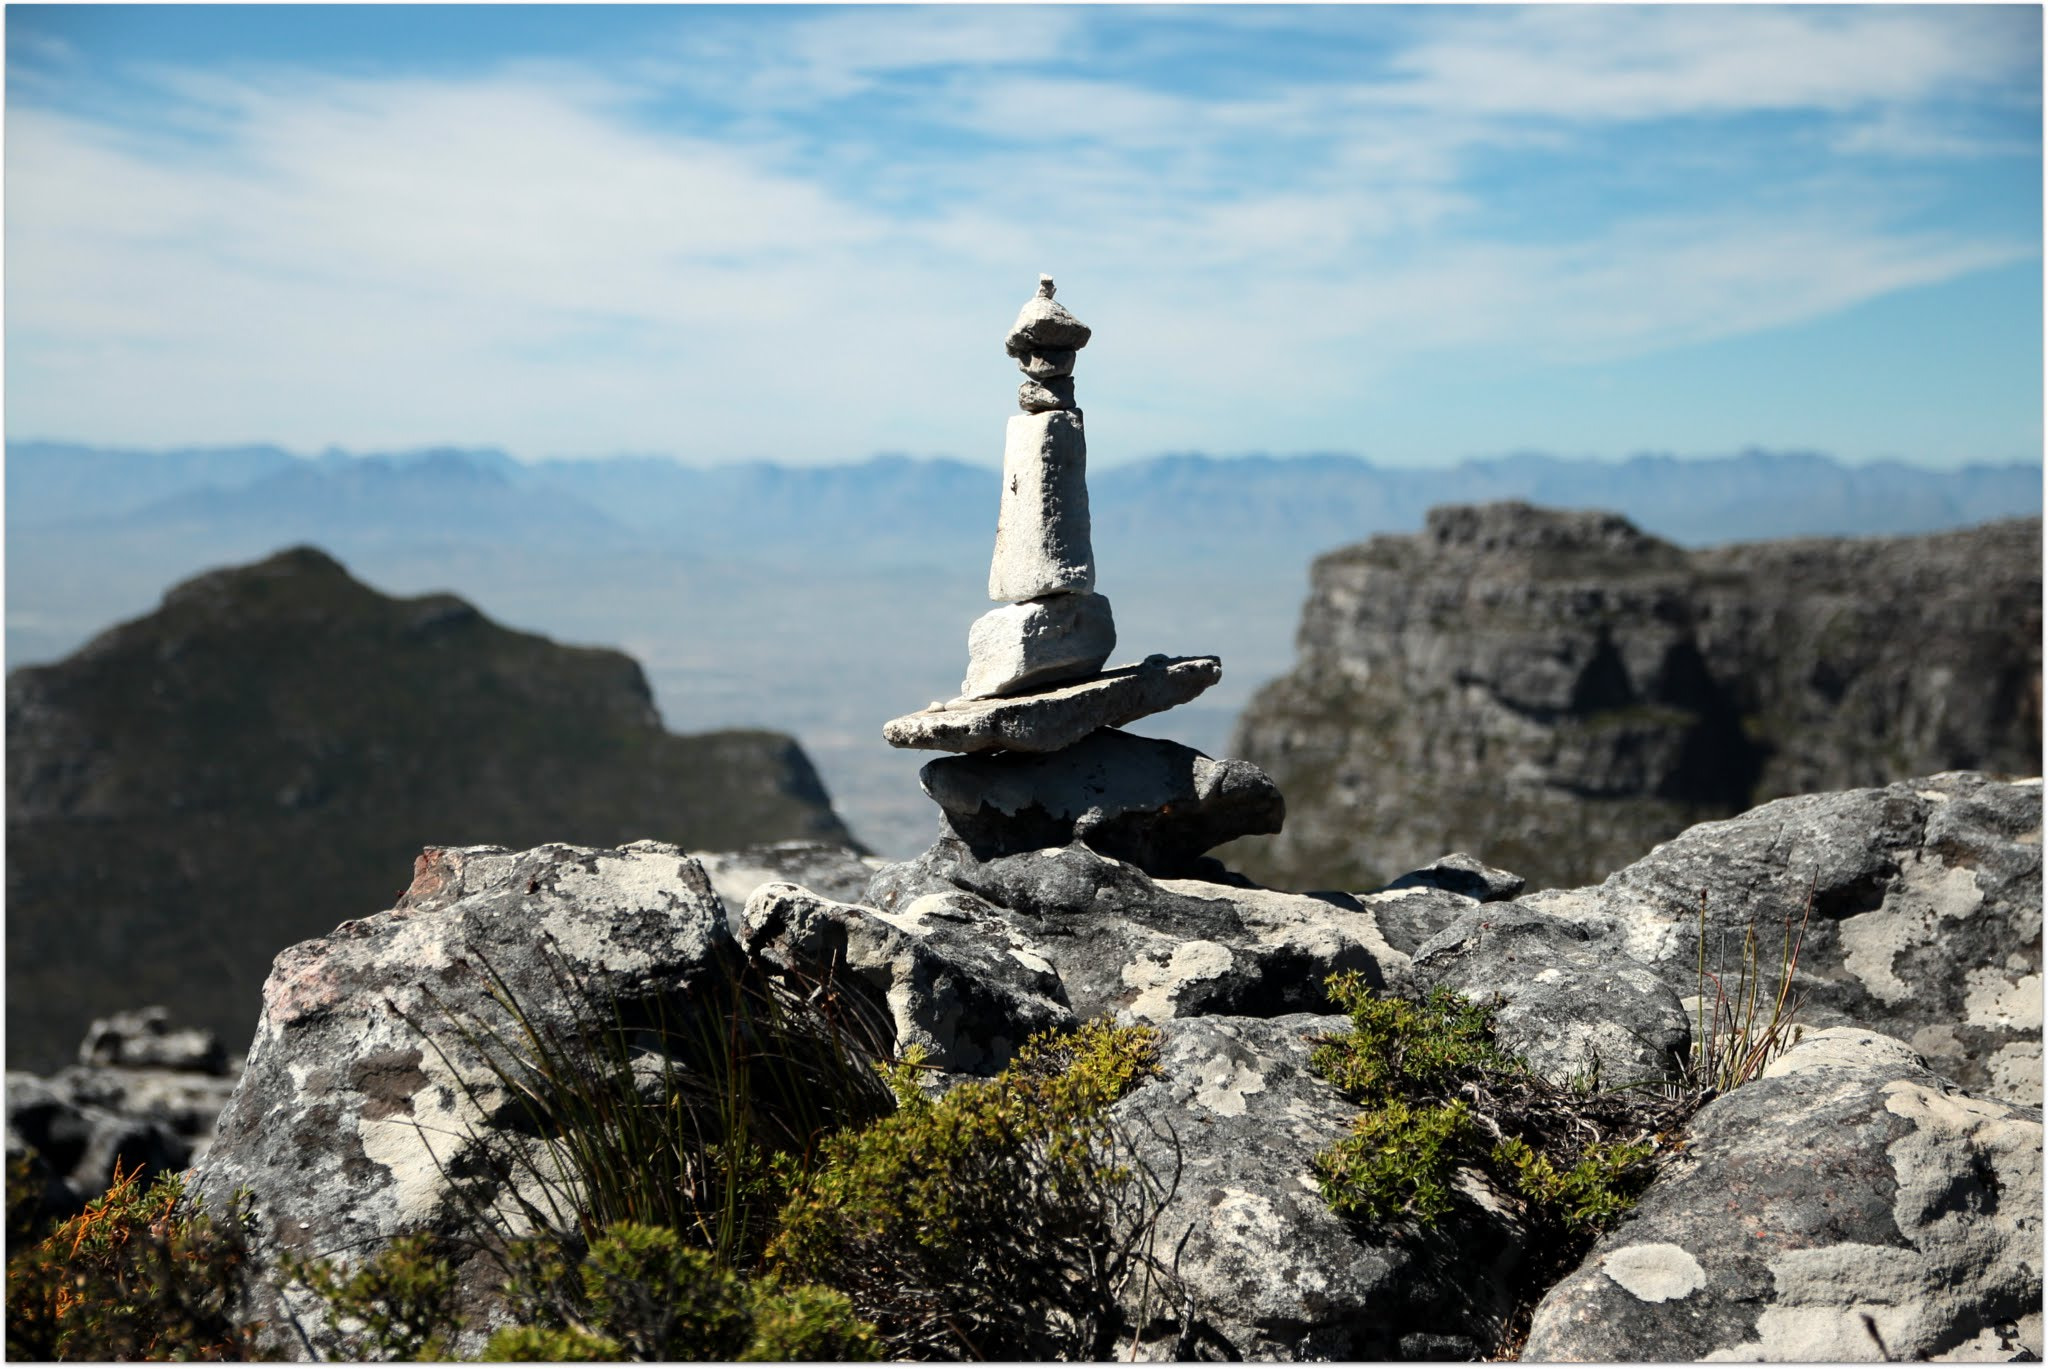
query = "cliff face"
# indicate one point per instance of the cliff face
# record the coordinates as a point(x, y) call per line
point(1556, 692)
point(197, 789)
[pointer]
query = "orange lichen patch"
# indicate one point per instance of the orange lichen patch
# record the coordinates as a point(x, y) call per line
point(432, 871)
point(299, 985)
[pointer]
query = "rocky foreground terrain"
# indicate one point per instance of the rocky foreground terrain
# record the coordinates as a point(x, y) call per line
point(247, 766)
point(1875, 1194)
point(1557, 692)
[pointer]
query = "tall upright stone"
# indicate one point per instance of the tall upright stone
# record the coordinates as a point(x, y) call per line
point(1042, 538)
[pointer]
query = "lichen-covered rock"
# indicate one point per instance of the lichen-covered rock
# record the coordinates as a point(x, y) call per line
point(1849, 1205)
point(1148, 950)
point(361, 1096)
point(1157, 804)
point(1236, 1119)
point(945, 974)
point(1926, 914)
point(1571, 1009)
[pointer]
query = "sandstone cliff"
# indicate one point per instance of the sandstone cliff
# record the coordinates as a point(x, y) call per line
point(197, 789)
point(1557, 691)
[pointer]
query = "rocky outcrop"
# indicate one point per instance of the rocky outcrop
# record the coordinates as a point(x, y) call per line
point(1850, 1205)
point(370, 1091)
point(283, 716)
point(1556, 692)
point(1926, 917)
point(1149, 950)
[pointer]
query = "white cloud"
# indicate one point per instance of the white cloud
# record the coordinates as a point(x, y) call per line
point(523, 258)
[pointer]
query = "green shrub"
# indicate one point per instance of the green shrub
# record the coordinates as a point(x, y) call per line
point(137, 1275)
point(643, 1293)
point(397, 1305)
point(999, 1221)
point(1437, 1092)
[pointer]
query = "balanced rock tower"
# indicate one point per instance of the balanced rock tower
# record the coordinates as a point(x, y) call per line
point(1036, 721)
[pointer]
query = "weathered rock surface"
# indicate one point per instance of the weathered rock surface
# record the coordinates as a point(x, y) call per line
point(282, 715)
point(1556, 692)
point(348, 1121)
point(1019, 647)
point(1149, 950)
point(947, 974)
point(837, 872)
point(1849, 1205)
point(1237, 1117)
point(1573, 1009)
point(1926, 914)
point(1042, 533)
point(1157, 804)
point(1053, 719)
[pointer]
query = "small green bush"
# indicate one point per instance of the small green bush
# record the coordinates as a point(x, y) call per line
point(140, 1274)
point(999, 1221)
point(1436, 1092)
point(643, 1293)
point(397, 1305)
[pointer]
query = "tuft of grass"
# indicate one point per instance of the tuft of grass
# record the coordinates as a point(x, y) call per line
point(1000, 1221)
point(1733, 1039)
point(692, 1119)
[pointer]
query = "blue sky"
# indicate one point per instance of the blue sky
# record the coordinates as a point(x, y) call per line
point(1413, 233)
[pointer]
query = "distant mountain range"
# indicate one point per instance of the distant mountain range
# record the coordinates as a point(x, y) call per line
point(821, 601)
point(898, 508)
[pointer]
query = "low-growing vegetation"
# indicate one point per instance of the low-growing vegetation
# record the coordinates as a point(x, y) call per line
point(141, 1274)
point(999, 1221)
point(1436, 1093)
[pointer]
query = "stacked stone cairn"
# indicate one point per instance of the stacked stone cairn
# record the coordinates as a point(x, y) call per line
point(1043, 762)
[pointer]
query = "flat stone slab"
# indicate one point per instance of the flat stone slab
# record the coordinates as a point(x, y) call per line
point(1057, 718)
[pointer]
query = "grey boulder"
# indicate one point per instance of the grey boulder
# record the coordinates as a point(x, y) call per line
point(1926, 914)
point(1157, 804)
point(363, 1093)
point(946, 973)
point(1849, 1205)
point(1571, 1008)
point(1139, 949)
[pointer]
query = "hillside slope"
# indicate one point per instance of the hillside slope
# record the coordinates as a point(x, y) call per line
point(265, 755)
point(1556, 692)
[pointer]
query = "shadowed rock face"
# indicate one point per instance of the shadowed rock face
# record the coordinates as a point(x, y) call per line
point(1556, 692)
point(243, 768)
